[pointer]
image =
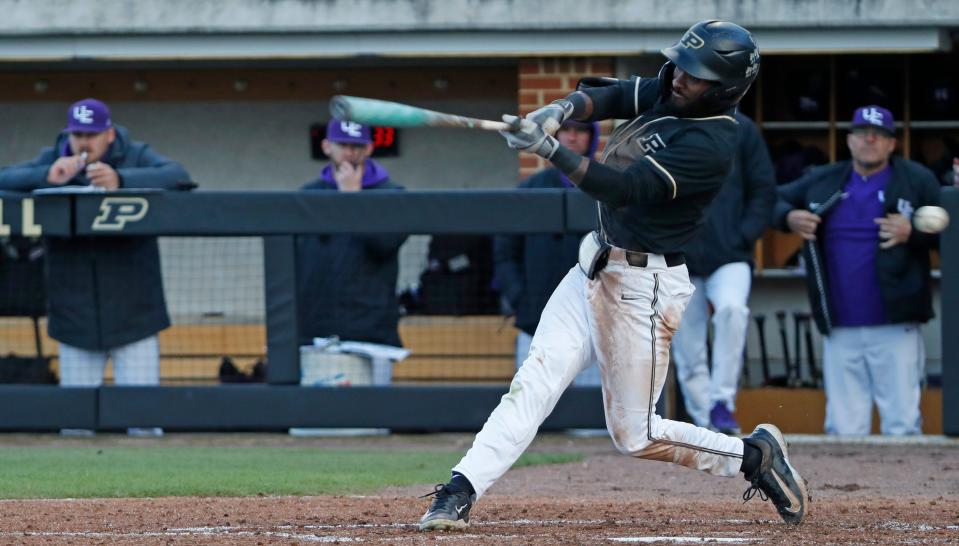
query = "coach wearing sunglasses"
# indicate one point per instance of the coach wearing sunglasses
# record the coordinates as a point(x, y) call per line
point(867, 271)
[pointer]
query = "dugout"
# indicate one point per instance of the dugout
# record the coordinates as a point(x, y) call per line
point(269, 222)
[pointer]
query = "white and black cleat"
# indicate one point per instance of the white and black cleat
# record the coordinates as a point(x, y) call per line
point(775, 479)
point(450, 509)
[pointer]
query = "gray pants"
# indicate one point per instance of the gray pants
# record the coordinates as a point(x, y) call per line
point(881, 364)
point(136, 363)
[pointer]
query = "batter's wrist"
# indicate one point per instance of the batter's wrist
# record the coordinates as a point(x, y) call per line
point(566, 160)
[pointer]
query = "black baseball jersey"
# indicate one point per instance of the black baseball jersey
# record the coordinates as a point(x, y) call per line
point(658, 172)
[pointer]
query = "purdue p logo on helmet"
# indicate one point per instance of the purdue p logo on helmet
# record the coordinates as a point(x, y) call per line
point(717, 51)
point(691, 41)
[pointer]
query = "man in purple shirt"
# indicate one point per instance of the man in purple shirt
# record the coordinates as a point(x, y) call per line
point(868, 275)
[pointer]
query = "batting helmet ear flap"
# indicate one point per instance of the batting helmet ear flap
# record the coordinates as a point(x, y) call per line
point(666, 79)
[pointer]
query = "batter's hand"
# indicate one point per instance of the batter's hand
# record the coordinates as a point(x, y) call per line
point(103, 176)
point(804, 223)
point(894, 229)
point(552, 116)
point(64, 169)
point(530, 137)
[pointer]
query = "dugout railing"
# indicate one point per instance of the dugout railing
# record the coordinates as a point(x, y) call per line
point(277, 217)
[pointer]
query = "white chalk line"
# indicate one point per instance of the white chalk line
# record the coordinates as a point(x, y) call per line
point(290, 532)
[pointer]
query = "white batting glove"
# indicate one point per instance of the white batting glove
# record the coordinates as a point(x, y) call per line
point(530, 137)
point(552, 116)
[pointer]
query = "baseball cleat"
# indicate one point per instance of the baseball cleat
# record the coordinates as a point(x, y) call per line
point(775, 479)
point(450, 509)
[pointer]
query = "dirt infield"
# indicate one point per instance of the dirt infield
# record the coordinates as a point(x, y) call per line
point(862, 493)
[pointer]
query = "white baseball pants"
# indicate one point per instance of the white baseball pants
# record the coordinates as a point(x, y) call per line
point(881, 364)
point(587, 378)
point(728, 290)
point(626, 317)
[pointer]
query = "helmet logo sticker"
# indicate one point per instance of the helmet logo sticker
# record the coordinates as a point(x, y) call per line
point(691, 40)
point(753, 66)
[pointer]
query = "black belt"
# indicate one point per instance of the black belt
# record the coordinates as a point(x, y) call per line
point(641, 259)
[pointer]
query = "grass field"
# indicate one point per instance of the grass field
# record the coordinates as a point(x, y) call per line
point(85, 472)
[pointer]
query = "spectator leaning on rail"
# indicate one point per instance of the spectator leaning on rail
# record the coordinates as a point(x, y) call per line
point(530, 267)
point(868, 275)
point(347, 282)
point(719, 259)
point(105, 295)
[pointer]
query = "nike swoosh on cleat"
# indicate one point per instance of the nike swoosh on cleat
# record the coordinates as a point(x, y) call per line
point(794, 504)
point(459, 509)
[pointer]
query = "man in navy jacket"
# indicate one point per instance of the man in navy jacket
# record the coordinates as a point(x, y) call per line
point(347, 282)
point(719, 260)
point(105, 295)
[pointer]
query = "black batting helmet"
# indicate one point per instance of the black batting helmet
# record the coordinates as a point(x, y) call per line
point(717, 51)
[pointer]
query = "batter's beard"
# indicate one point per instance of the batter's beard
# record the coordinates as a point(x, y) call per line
point(690, 109)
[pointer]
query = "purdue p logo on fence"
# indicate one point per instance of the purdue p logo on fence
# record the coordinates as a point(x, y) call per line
point(116, 212)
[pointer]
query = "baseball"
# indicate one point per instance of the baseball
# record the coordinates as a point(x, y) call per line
point(930, 219)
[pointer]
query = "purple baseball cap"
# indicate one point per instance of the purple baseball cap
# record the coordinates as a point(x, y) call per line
point(88, 116)
point(348, 132)
point(873, 116)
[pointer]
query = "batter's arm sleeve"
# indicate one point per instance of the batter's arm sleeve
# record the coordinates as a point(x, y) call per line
point(688, 165)
point(759, 183)
point(29, 175)
point(153, 170)
point(617, 99)
point(508, 266)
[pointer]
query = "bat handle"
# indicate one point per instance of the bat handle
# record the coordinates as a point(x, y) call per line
point(515, 124)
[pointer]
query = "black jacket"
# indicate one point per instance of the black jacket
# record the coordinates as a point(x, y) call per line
point(529, 267)
point(346, 284)
point(903, 269)
point(658, 172)
point(738, 215)
point(103, 293)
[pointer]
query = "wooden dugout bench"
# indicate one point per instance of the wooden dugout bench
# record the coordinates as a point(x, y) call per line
point(443, 348)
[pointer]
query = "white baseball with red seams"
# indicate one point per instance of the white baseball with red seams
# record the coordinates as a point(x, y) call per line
point(930, 219)
point(626, 317)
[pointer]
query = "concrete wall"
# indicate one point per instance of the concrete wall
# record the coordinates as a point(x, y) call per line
point(336, 16)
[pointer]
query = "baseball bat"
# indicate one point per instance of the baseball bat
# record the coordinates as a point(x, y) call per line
point(394, 114)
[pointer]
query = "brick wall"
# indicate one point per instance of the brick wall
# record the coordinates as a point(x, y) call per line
point(544, 80)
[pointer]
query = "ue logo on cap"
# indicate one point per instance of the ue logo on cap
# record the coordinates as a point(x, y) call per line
point(83, 114)
point(872, 115)
point(352, 128)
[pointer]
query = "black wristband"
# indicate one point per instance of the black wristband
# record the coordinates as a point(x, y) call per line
point(565, 159)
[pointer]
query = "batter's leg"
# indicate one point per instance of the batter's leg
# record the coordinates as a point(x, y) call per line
point(636, 311)
point(560, 349)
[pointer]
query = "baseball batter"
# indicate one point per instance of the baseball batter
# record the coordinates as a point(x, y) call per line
point(624, 301)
